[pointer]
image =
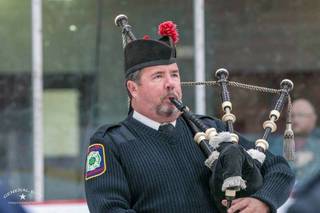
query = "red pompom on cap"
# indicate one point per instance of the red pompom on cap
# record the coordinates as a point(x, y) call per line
point(168, 28)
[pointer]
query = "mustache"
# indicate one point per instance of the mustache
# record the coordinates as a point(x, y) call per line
point(168, 95)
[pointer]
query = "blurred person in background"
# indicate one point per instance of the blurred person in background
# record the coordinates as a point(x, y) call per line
point(307, 197)
point(307, 140)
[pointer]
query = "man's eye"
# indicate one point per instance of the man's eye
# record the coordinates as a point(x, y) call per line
point(157, 76)
point(175, 75)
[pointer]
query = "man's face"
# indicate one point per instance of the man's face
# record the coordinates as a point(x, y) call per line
point(150, 96)
point(303, 117)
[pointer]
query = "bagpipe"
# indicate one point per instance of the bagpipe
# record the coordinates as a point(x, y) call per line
point(236, 172)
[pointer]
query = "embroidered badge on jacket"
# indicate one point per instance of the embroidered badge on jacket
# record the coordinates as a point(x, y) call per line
point(96, 161)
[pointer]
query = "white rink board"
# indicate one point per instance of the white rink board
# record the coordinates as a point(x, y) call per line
point(52, 207)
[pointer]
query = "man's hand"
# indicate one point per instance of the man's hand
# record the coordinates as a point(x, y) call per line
point(247, 205)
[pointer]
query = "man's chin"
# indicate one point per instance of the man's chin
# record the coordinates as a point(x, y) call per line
point(167, 111)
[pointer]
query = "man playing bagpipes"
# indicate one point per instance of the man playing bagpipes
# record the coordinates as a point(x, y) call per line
point(149, 161)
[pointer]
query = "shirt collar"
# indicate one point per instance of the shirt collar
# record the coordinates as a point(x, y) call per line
point(149, 122)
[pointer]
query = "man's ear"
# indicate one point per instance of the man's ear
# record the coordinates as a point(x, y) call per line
point(132, 87)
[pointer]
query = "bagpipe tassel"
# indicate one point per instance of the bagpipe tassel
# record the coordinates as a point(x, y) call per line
point(288, 143)
point(288, 137)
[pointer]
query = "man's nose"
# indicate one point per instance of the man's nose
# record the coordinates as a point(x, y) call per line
point(169, 83)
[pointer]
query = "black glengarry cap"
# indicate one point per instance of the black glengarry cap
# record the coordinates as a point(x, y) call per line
point(146, 52)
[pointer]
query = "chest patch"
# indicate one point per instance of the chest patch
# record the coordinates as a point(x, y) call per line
point(96, 161)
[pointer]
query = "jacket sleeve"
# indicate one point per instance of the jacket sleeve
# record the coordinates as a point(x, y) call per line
point(108, 191)
point(278, 181)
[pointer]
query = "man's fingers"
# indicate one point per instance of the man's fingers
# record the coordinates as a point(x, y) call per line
point(247, 205)
point(224, 202)
point(238, 205)
point(235, 201)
